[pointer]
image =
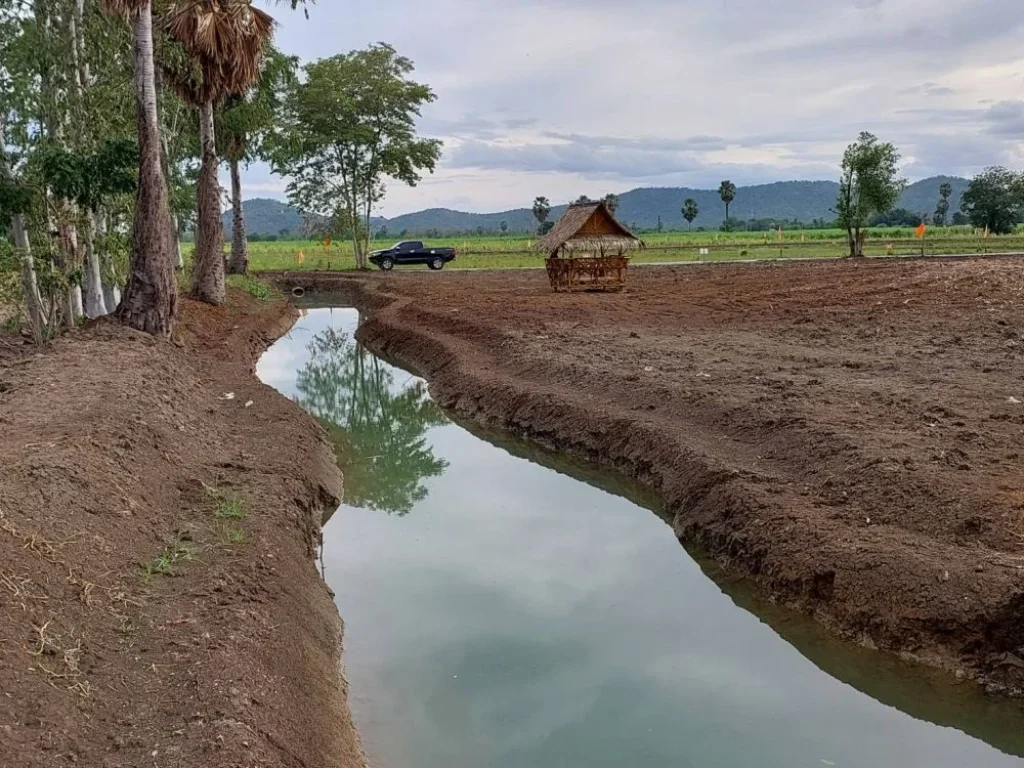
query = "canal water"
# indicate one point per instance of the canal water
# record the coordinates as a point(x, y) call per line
point(506, 609)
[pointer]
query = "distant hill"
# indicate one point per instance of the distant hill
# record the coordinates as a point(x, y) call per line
point(803, 201)
point(266, 217)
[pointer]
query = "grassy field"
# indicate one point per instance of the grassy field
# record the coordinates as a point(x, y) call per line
point(518, 252)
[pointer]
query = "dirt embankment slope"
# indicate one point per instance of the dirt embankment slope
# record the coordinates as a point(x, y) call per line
point(846, 433)
point(159, 601)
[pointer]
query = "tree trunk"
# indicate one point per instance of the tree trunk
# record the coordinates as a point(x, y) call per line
point(239, 245)
point(179, 257)
point(150, 301)
point(95, 306)
point(29, 280)
point(208, 271)
point(99, 228)
point(69, 267)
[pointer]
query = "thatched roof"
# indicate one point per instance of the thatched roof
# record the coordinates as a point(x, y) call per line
point(588, 227)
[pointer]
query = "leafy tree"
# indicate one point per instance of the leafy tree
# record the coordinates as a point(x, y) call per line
point(480, 231)
point(612, 201)
point(225, 41)
point(942, 207)
point(870, 184)
point(960, 220)
point(546, 227)
point(150, 301)
point(243, 125)
point(690, 211)
point(541, 210)
point(346, 128)
point(504, 227)
point(727, 191)
point(994, 200)
point(377, 424)
point(582, 200)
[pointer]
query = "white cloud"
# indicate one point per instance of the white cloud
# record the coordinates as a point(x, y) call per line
point(554, 96)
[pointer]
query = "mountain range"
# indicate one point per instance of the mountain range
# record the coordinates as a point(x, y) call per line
point(640, 208)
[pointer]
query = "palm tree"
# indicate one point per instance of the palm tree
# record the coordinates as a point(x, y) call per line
point(690, 211)
point(242, 128)
point(150, 301)
point(727, 191)
point(225, 41)
point(541, 210)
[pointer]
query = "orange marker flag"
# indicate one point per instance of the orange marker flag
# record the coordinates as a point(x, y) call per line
point(327, 242)
point(300, 257)
point(986, 232)
point(921, 229)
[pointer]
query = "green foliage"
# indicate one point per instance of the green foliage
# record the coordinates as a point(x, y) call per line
point(254, 287)
point(727, 191)
point(350, 124)
point(995, 200)
point(870, 185)
point(89, 178)
point(612, 201)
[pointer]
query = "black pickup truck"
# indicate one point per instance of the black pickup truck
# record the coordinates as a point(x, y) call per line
point(412, 252)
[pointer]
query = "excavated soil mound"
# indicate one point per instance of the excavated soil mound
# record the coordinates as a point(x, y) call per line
point(159, 601)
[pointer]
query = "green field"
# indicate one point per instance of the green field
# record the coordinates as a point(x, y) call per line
point(517, 253)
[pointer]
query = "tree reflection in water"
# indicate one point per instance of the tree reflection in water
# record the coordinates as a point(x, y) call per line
point(377, 427)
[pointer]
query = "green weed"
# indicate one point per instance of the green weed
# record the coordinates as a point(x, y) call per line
point(163, 564)
point(230, 509)
point(12, 324)
point(255, 288)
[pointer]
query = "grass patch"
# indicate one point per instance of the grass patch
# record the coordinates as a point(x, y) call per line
point(255, 288)
point(164, 563)
point(230, 509)
point(12, 324)
point(232, 534)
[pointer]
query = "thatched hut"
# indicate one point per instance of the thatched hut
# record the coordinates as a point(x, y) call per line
point(587, 249)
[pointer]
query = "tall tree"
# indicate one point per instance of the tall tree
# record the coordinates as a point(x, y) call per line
point(225, 41)
point(727, 191)
point(942, 207)
point(870, 184)
point(242, 129)
point(690, 211)
point(541, 210)
point(994, 200)
point(612, 201)
point(504, 227)
point(150, 301)
point(350, 124)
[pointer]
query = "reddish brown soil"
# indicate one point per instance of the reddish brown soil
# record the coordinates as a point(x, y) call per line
point(843, 432)
point(116, 449)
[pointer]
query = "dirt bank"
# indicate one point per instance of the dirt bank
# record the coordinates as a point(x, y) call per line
point(847, 433)
point(159, 600)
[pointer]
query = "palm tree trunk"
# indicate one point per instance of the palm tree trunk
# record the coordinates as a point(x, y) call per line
point(239, 245)
point(150, 300)
point(208, 271)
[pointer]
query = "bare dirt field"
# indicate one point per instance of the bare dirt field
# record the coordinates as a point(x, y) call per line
point(159, 600)
point(849, 434)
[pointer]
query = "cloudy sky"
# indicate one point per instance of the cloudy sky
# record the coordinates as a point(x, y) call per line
point(570, 97)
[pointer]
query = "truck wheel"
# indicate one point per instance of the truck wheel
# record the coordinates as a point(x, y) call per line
point(436, 263)
point(387, 264)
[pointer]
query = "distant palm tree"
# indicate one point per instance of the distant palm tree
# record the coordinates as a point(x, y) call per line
point(225, 41)
point(541, 210)
point(690, 211)
point(727, 191)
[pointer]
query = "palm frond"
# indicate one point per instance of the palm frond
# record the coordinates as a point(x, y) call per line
point(226, 38)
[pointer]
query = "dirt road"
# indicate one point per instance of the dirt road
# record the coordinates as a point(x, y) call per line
point(849, 434)
point(159, 601)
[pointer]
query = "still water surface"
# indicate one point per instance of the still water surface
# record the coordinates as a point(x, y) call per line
point(501, 613)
